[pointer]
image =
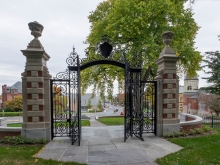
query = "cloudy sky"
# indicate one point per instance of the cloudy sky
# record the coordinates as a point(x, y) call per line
point(65, 24)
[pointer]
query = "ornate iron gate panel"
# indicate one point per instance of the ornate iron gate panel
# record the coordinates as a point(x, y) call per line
point(135, 103)
point(61, 115)
point(75, 127)
point(127, 115)
point(66, 103)
point(149, 106)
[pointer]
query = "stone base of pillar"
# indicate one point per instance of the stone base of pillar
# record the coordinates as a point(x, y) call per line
point(170, 128)
point(37, 133)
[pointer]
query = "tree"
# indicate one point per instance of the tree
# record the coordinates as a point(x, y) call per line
point(15, 104)
point(136, 26)
point(213, 64)
point(99, 105)
point(89, 105)
point(59, 101)
point(212, 101)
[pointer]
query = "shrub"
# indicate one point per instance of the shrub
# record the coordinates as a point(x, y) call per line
point(168, 135)
point(15, 140)
point(206, 128)
point(192, 132)
point(199, 130)
point(176, 134)
point(8, 110)
point(6, 114)
point(183, 133)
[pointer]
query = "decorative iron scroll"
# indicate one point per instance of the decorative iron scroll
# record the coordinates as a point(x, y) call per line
point(72, 59)
point(59, 108)
point(127, 120)
point(67, 121)
point(149, 90)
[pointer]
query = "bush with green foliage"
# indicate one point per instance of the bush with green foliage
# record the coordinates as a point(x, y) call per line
point(183, 133)
point(8, 110)
point(6, 114)
point(16, 140)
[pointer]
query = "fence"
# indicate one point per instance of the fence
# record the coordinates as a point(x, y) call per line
point(212, 121)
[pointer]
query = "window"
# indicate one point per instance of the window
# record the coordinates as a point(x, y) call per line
point(201, 106)
point(189, 88)
point(195, 100)
point(181, 98)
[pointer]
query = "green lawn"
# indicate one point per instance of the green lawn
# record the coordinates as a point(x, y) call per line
point(112, 120)
point(204, 150)
point(23, 155)
point(83, 123)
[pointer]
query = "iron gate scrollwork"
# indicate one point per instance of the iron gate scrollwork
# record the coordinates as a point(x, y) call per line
point(149, 106)
point(66, 102)
point(127, 115)
point(140, 96)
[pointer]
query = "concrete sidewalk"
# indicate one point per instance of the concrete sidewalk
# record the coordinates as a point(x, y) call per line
point(104, 145)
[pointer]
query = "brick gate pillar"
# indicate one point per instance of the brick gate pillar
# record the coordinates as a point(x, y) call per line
point(168, 89)
point(35, 89)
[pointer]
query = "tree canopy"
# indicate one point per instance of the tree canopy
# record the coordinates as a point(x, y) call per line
point(212, 61)
point(15, 104)
point(136, 26)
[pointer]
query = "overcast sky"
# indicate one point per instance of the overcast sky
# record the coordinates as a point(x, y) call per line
point(66, 24)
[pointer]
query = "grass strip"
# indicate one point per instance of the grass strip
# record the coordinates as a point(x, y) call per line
point(83, 123)
point(112, 120)
point(202, 150)
point(23, 155)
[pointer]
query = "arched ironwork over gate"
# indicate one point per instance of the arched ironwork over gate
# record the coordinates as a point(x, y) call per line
point(140, 96)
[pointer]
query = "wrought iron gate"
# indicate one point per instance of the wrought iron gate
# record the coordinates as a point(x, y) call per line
point(66, 102)
point(140, 100)
point(149, 106)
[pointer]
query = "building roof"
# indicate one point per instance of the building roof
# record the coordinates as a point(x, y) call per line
point(85, 98)
point(17, 85)
point(193, 78)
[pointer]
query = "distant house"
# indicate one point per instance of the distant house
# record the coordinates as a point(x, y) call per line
point(192, 97)
point(84, 102)
point(85, 99)
point(9, 92)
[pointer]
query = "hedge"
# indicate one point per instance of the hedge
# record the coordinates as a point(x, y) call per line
point(10, 114)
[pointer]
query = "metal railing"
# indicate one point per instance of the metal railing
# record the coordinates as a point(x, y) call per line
point(211, 120)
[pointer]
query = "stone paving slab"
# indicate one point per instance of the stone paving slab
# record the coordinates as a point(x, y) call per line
point(105, 145)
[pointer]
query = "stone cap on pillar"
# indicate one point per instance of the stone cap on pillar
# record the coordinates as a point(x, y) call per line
point(167, 50)
point(36, 31)
point(35, 47)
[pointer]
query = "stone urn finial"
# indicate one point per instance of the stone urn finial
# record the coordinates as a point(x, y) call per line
point(167, 37)
point(36, 29)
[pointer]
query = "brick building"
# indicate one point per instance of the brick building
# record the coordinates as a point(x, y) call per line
point(9, 92)
point(193, 97)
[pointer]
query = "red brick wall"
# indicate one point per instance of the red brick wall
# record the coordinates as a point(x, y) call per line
point(6, 133)
point(189, 118)
point(187, 128)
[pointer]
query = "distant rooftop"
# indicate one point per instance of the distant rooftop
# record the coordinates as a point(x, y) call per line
point(193, 78)
point(17, 85)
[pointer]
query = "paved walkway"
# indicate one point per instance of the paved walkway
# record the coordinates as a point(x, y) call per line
point(104, 145)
